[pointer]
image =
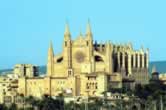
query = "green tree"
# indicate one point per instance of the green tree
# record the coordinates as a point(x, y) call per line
point(3, 107)
point(31, 101)
point(48, 103)
point(99, 103)
point(13, 106)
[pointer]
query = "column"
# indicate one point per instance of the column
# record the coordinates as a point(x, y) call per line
point(143, 61)
point(134, 60)
point(123, 60)
point(138, 60)
point(129, 63)
point(147, 58)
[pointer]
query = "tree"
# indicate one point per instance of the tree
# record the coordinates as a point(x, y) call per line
point(31, 101)
point(48, 103)
point(13, 106)
point(3, 107)
point(99, 103)
point(69, 106)
point(51, 104)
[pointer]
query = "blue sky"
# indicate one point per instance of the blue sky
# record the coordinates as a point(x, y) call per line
point(27, 26)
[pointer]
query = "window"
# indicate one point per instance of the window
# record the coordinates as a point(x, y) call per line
point(87, 43)
point(136, 60)
point(98, 59)
point(132, 61)
point(145, 61)
point(60, 60)
point(96, 85)
point(70, 73)
point(65, 43)
point(87, 86)
point(7, 99)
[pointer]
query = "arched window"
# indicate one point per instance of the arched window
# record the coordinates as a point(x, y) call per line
point(87, 43)
point(115, 60)
point(59, 60)
point(121, 59)
point(65, 43)
point(98, 59)
point(145, 57)
point(132, 61)
point(126, 62)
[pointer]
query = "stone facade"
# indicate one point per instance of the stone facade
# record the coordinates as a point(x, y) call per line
point(8, 88)
point(27, 70)
point(85, 68)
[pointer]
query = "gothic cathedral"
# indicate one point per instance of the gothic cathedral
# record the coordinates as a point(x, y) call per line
point(88, 68)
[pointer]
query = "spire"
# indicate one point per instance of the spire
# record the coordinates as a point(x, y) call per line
point(88, 30)
point(67, 32)
point(107, 45)
point(50, 63)
point(50, 50)
point(80, 32)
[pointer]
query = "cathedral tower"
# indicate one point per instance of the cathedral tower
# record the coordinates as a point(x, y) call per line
point(67, 49)
point(89, 41)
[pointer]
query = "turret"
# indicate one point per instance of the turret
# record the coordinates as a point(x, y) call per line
point(147, 58)
point(109, 62)
point(50, 63)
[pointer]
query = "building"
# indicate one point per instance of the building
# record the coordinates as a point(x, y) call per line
point(8, 88)
point(158, 77)
point(9, 82)
point(155, 75)
point(85, 68)
point(27, 70)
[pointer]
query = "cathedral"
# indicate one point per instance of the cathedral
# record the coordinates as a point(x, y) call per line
point(88, 68)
